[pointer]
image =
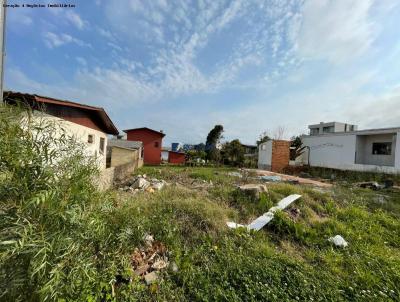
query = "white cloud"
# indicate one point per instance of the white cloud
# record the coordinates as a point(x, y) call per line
point(75, 19)
point(53, 40)
point(336, 30)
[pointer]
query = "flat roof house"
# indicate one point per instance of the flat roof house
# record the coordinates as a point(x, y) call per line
point(376, 150)
point(87, 124)
point(331, 127)
point(152, 143)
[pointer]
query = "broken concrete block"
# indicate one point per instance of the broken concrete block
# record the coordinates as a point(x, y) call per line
point(235, 174)
point(151, 278)
point(272, 178)
point(140, 183)
point(338, 241)
point(159, 265)
point(253, 190)
point(158, 185)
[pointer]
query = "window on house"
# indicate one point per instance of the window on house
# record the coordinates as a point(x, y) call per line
point(314, 131)
point(156, 144)
point(90, 139)
point(101, 146)
point(328, 129)
point(382, 148)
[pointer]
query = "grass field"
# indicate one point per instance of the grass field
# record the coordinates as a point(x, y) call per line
point(291, 259)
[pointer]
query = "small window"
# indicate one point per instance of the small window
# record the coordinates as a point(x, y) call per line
point(156, 144)
point(314, 131)
point(90, 139)
point(382, 148)
point(101, 147)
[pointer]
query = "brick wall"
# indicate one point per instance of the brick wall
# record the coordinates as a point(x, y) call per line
point(280, 155)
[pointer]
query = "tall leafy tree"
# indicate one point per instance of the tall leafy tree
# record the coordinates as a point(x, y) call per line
point(297, 147)
point(233, 153)
point(213, 138)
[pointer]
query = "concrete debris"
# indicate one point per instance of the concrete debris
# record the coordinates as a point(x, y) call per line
point(235, 174)
point(270, 178)
point(159, 264)
point(149, 260)
point(376, 186)
point(253, 190)
point(150, 278)
point(142, 183)
point(264, 219)
point(338, 241)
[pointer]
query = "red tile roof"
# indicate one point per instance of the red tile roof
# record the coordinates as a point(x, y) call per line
point(108, 125)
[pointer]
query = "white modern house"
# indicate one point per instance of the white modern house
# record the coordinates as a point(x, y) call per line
point(341, 146)
point(88, 125)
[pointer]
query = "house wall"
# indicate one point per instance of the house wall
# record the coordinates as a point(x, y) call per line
point(120, 156)
point(176, 158)
point(280, 155)
point(364, 150)
point(80, 133)
point(265, 155)
point(339, 152)
point(397, 154)
point(152, 154)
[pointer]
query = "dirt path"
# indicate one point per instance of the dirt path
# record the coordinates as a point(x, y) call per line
point(285, 177)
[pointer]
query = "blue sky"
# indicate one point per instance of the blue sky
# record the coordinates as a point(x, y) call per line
point(184, 66)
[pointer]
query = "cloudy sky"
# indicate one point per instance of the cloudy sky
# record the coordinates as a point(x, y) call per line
point(184, 66)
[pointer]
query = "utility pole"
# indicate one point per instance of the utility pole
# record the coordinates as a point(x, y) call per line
point(2, 48)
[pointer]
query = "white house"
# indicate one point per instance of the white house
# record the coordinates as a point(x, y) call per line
point(376, 150)
point(89, 125)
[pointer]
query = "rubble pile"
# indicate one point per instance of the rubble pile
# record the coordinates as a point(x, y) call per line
point(148, 261)
point(142, 183)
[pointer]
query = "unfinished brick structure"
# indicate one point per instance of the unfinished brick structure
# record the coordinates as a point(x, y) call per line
point(274, 155)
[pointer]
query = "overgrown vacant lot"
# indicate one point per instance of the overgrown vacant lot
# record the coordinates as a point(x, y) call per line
point(290, 259)
point(63, 240)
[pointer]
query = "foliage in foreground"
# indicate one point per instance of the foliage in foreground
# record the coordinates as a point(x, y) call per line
point(63, 240)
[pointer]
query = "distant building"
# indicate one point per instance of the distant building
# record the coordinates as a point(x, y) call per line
point(376, 150)
point(250, 150)
point(331, 127)
point(176, 147)
point(152, 143)
point(89, 125)
point(176, 157)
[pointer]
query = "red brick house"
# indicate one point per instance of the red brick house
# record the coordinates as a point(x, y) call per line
point(176, 157)
point(152, 142)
